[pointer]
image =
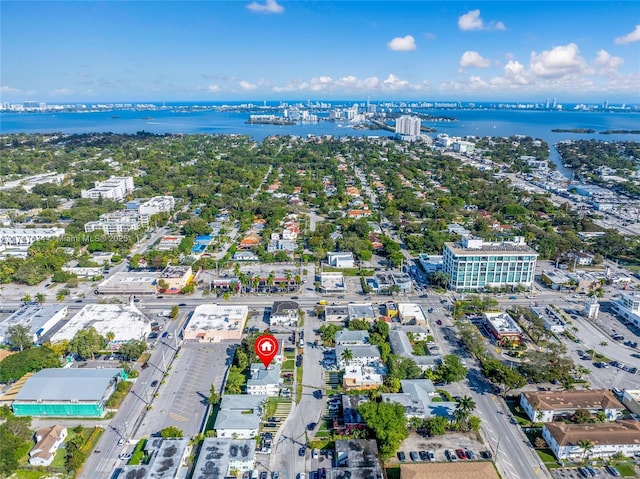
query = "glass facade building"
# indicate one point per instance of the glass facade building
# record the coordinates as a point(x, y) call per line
point(473, 264)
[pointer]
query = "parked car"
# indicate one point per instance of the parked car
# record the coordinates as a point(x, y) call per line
point(402, 456)
point(263, 475)
point(432, 456)
point(613, 471)
point(460, 454)
point(451, 455)
point(470, 455)
point(154, 383)
point(414, 455)
point(302, 451)
point(486, 454)
point(423, 455)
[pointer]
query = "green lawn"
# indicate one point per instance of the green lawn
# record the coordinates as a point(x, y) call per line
point(626, 470)
point(393, 472)
point(288, 365)
point(548, 458)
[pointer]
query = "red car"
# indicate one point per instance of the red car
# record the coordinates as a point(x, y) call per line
point(460, 454)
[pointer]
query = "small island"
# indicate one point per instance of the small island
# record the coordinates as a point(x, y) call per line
point(573, 130)
point(620, 132)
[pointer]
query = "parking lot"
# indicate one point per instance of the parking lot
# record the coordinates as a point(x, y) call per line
point(438, 445)
point(180, 399)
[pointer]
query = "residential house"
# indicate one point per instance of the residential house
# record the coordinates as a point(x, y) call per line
point(418, 398)
point(48, 440)
point(239, 416)
point(348, 337)
point(361, 355)
point(264, 381)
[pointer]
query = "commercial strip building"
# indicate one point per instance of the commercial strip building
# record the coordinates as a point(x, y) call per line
point(627, 306)
point(221, 458)
point(167, 458)
point(473, 264)
point(363, 311)
point(340, 260)
point(502, 327)
point(125, 321)
point(239, 416)
point(608, 439)
point(136, 284)
point(212, 323)
point(284, 313)
point(174, 278)
point(38, 318)
point(332, 282)
point(547, 406)
point(552, 321)
point(72, 392)
point(115, 188)
point(412, 313)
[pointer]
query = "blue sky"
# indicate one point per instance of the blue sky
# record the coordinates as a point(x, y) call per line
point(94, 51)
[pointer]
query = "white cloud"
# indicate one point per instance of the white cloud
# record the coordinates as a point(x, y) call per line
point(402, 44)
point(213, 88)
point(473, 21)
point(62, 91)
point(634, 36)
point(8, 89)
point(351, 84)
point(473, 59)
point(394, 83)
point(245, 85)
point(515, 72)
point(270, 6)
point(606, 61)
point(558, 62)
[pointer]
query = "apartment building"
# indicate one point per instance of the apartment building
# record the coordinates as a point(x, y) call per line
point(115, 188)
point(473, 264)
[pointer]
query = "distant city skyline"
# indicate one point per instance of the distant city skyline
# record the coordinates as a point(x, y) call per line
point(147, 51)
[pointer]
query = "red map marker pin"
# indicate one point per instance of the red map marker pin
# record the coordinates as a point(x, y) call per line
point(266, 347)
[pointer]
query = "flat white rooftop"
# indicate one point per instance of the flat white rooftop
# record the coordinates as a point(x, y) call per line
point(130, 283)
point(411, 311)
point(125, 321)
point(208, 317)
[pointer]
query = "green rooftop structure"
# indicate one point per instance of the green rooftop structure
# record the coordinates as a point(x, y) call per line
point(70, 392)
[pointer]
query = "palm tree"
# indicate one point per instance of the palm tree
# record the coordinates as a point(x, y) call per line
point(466, 404)
point(26, 298)
point(346, 356)
point(270, 280)
point(586, 445)
point(41, 298)
point(110, 336)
